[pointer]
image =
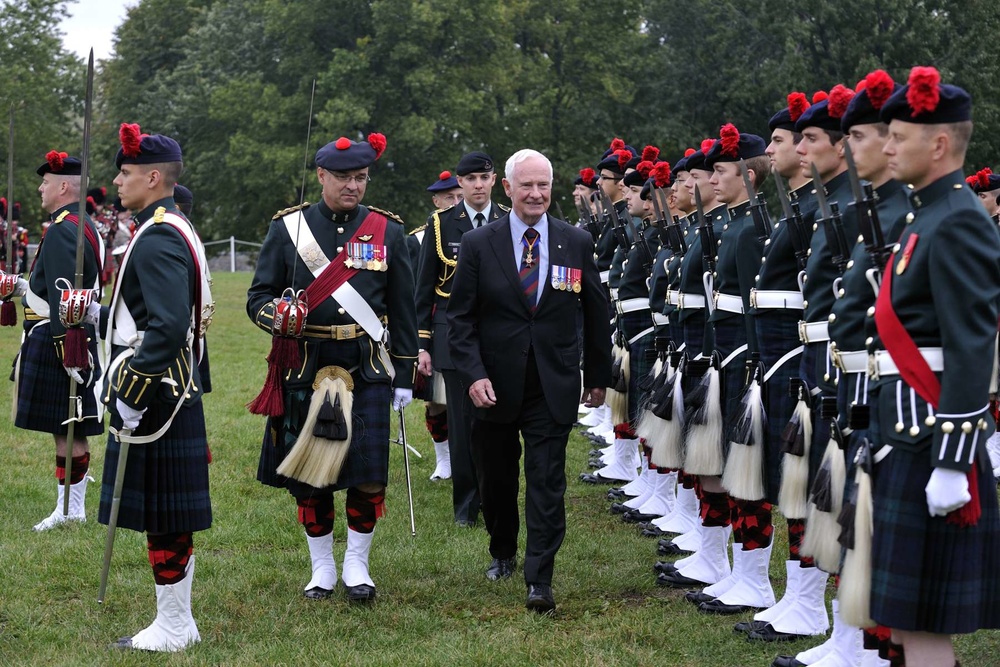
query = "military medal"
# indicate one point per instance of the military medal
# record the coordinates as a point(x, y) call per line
point(907, 253)
point(576, 276)
point(369, 255)
point(555, 277)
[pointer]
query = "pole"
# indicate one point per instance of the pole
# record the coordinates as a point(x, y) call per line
point(232, 254)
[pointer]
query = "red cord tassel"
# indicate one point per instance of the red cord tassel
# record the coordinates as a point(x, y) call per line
point(8, 314)
point(270, 401)
point(969, 513)
point(75, 349)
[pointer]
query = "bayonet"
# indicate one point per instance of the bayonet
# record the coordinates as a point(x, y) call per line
point(793, 219)
point(832, 224)
point(587, 218)
point(707, 233)
point(758, 207)
point(868, 220)
point(617, 224)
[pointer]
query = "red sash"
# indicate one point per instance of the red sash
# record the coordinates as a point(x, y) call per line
point(917, 373)
point(337, 272)
point(91, 238)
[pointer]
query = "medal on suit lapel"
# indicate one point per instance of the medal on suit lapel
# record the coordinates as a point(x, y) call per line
point(576, 277)
point(555, 277)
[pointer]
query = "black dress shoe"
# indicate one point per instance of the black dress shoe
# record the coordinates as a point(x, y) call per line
point(619, 508)
point(664, 566)
point(594, 453)
point(540, 599)
point(500, 568)
point(787, 661)
point(595, 464)
point(635, 516)
point(317, 593)
point(746, 627)
point(677, 580)
point(590, 478)
point(769, 634)
point(123, 644)
point(698, 597)
point(360, 593)
point(723, 609)
point(651, 531)
point(671, 549)
point(616, 494)
point(465, 523)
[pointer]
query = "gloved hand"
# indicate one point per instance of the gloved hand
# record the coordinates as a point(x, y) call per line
point(75, 374)
point(93, 315)
point(130, 416)
point(401, 398)
point(22, 287)
point(946, 490)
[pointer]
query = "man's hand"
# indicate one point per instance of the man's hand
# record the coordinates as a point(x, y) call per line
point(130, 416)
point(93, 315)
point(424, 363)
point(946, 490)
point(593, 397)
point(75, 374)
point(401, 398)
point(481, 393)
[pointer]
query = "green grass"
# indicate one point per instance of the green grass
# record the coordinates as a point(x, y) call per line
point(435, 606)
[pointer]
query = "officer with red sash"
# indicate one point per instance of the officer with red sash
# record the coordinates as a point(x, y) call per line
point(364, 336)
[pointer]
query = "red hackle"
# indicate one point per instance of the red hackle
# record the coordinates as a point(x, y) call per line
point(378, 142)
point(923, 94)
point(730, 138)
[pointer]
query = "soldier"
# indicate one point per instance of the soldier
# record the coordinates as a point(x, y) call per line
point(153, 335)
point(438, 264)
point(934, 569)
point(42, 376)
point(986, 185)
point(445, 193)
point(584, 186)
point(344, 345)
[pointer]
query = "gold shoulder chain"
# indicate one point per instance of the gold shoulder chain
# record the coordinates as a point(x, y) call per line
point(448, 265)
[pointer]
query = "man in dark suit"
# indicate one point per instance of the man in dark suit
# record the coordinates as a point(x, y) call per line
point(512, 323)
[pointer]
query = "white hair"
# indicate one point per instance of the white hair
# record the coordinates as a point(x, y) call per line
point(519, 157)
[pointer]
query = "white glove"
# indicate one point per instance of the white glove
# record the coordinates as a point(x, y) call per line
point(130, 416)
point(946, 490)
point(93, 315)
point(401, 398)
point(22, 287)
point(75, 374)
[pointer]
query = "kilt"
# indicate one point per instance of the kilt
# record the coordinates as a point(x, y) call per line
point(367, 458)
point(777, 334)
point(633, 324)
point(694, 334)
point(43, 386)
point(929, 575)
point(811, 372)
point(165, 488)
point(730, 333)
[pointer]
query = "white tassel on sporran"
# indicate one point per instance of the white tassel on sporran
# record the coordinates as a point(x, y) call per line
point(744, 474)
point(316, 460)
point(704, 454)
point(792, 498)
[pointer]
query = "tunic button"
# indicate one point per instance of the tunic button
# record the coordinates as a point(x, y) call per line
point(841, 292)
point(809, 252)
point(763, 259)
point(899, 427)
point(805, 304)
point(767, 242)
point(832, 318)
point(861, 238)
point(340, 311)
point(815, 226)
point(757, 277)
point(966, 427)
point(340, 230)
point(914, 431)
point(895, 248)
point(871, 311)
point(930, 421)
point(850, 264)
point(947, 427)
point(340, 249)
point(869, 341)
point(910, 217)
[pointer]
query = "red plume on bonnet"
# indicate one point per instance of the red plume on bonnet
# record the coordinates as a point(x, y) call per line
point(650, 153)
point(879, 86)
point(819, 96)
point(587, 175)
point(980, 178)
point(444, 175)
point(923, 95)
point(689, 152)
point(645, 168)
point(840, 97)
point(378, 142)
point(661, 174)
point(623, 158)
point(706, 145)
point(342, 144)
point(617, 145)
point(797, 105)
point(55, 160)
point(730, 138)
point(131, 137)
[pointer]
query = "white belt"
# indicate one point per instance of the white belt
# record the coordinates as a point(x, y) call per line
point(614, 293)
point(814, 332)
point(672, 296)
point(686, 300)
point(604, 276)
point(881, 363)
point(854, 361)
point(729, 303)
point(776, 299)
point(659, 319)
point(632, 305)
point(636, 338)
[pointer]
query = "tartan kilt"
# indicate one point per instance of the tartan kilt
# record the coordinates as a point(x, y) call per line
point(777, 334)
point(730, 333)
point(693, 334)
point(367, 458)
point(813, 360)
point(43, 386)
point(633, 324)
point(165, 488)
point(929, 575)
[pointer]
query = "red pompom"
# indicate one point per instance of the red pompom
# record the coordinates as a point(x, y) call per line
point(689, 152)
point(661, 174)
point(588, 176)
point(444, 175)
point(55, 160)
point(983, 177)
point(706, 145)
point(104, 191)
point(623, 158)
point(923, 95)
point(860, 85)
point(730, 138)
point(840, 97)
point(377, 141)
point(879, 86)
point(973, 180)
point(644, 168)
point(650, 153)
point(617, 145)
point(819, 96)
point(797, 105)
point(131, 138)
point(342, 144)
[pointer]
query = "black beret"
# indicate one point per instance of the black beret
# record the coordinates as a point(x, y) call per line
point(827, 114)
point(873, 92)
point(60, 164)
point(182, 195)
point(98, 195)
point(734, 146)
point(925, 100)
point(611, 162)
point(475, 162)
point(138, 148)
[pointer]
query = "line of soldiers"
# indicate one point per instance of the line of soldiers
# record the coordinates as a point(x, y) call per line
point(825, 363)
point(19, 242)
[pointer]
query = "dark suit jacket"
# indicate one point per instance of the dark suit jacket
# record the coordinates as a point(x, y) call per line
point(491, 326)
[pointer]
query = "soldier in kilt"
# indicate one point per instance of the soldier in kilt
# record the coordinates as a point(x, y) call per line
point(336, 340)
point(41, 375)
point(153, 386)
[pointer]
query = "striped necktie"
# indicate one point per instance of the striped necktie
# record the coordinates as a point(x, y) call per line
point(529, 266)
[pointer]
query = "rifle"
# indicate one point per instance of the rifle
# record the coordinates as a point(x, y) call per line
point(643, 243)
point(670, 225)
point(587, 218)
point(832, 223)
point(868, 221)
point(617, 223)
point(796, 226)
point(758, 207)
point(709, 245)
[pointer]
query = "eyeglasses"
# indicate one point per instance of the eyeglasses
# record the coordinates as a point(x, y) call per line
point(340, 177)
point(611, 178)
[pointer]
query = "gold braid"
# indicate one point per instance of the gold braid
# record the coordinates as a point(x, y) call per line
point(448, 270)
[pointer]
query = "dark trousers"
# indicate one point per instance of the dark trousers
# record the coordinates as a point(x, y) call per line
point(464, 485)
point(496, 449)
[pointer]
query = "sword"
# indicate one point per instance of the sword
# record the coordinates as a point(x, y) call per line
point(758, 207)
point(9, 241)
point(122, 435)
point(831, 223)
point(401, 440)
point(78, 275)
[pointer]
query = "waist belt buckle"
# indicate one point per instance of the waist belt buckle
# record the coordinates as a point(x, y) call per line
point(345, 333)
point(835, 357)
point(753, 297)
point(872, 367)
point(715, 299)
point(803, 336)
point(680, 300)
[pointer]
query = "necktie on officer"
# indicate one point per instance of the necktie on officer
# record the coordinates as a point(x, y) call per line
point(478, 220)
point(529, 266)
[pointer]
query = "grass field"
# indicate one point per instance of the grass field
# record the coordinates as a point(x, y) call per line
point(435, 606)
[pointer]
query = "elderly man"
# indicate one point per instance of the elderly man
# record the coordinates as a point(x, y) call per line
point(512, 322)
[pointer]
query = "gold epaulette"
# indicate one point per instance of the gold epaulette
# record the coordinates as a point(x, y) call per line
point(60, 217)
point(388, 214)
point(418, 230)
point(505, 209)
point(158, 215)
point(285, 211)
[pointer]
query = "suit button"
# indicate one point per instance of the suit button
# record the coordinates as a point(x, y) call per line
point(340, 230)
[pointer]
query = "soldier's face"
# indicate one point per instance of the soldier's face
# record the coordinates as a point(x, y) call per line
point(51, 190)
point(580, 193)
point(816, 148)
point(477, 186)
point(781, 151)
point(727, 183)
point(682, 196)
point(909, 152)
point(343, 190)
point(866, 146)
point(447, 198)
point(989, 201)
point(699, 180)
point(133, 182)
point(609, 184)
point(635, 204)
point(530, 189)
